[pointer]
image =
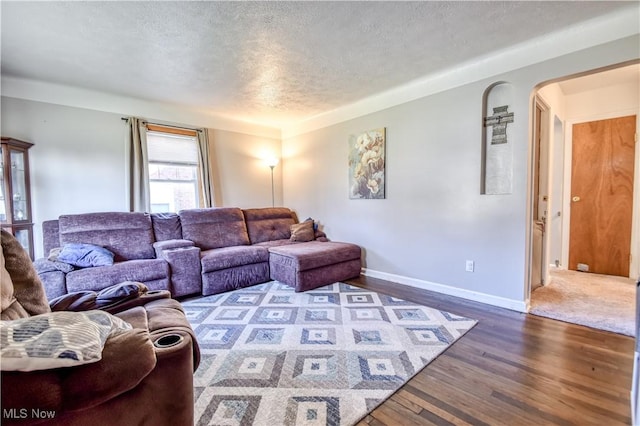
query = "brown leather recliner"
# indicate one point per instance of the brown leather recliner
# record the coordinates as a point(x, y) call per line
point(145, 376)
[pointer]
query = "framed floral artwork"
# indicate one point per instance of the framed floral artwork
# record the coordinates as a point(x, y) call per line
point(367, 165)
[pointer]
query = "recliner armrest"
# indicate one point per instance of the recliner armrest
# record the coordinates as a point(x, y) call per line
point(84, 386)
point(115, 374)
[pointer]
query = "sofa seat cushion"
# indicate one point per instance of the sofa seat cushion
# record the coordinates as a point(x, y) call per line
point(229, 257)
point(214, 227)
point(314, 254)
point(144, 270)
point(127, 235)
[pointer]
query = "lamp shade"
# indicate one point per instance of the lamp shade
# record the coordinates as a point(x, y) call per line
point(272, 162)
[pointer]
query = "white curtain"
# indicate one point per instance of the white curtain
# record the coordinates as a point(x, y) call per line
point(205, 168)
point(139, 200)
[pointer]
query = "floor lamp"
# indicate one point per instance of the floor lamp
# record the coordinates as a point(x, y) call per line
point(272, 163)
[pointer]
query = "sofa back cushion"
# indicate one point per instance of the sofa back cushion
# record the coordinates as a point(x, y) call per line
point(50, 235)
point(269, 224)
point(127, 235)
point(214, 227)
point(166, 226)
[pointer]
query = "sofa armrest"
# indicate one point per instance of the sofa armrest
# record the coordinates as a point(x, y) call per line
point(168, 317)
point(53, 276)
point(115, 374)
point(320, 236)
point(43, 265)
point(160, 246)
point(112, 299)
point(54, 283)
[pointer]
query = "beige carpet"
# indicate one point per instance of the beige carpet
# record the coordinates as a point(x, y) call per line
point(599, 301)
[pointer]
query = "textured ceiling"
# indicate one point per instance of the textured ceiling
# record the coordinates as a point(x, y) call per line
point(265, 62)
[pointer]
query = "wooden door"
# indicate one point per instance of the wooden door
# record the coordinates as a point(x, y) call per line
point(602, 195)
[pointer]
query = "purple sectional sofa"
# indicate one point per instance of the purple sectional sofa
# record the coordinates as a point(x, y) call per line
point(228, 259)
point(197, 251)
point(309, 265)
point(129, 236)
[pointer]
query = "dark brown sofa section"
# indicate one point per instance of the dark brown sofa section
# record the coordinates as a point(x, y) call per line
point(145, 376)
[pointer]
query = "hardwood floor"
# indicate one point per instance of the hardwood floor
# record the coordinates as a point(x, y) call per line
point(512, 369)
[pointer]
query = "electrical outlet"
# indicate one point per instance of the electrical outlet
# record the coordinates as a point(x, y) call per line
point(469, 266)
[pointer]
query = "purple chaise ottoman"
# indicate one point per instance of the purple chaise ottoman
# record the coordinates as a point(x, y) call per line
point(306, 266)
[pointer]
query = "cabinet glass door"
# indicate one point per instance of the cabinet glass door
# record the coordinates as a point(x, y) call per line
point(24, 237)
point(19, 186)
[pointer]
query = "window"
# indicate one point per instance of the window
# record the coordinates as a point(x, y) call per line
point(173, 169)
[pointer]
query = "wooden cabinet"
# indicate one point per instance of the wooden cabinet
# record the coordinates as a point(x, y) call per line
point(15, 191)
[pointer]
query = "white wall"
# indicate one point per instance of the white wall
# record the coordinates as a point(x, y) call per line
point(554, 98)
point(434, 217)
point(78, 161)
point(617, 100)
point(243, 178)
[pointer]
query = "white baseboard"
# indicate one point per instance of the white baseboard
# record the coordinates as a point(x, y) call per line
point(514, 305)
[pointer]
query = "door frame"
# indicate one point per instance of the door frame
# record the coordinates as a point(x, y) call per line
point(541, 173)
point(634, 265)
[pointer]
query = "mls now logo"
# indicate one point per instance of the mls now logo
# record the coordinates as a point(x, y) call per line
point(23, 413)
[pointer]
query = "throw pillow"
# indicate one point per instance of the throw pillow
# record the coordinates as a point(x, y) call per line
point(302, 232)
point(85, 255)
point(315, 225)
point(56, 339)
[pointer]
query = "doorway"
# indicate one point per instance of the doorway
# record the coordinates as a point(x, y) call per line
point(585, 104)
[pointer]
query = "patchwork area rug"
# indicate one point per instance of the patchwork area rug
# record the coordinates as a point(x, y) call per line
point(271, 356)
